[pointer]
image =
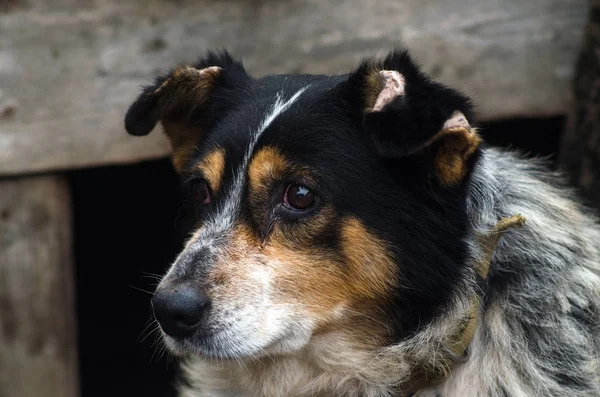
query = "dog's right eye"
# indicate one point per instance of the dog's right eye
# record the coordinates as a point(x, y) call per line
point(298, 197)
point(200, 191)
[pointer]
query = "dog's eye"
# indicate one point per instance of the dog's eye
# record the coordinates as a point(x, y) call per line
point(200, 191)
point(298, 197)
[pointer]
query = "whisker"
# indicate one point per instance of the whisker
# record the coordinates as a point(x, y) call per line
point(156, 346)
point(152, 274)
point(149, 323)
point(155, 329)
point(141, 290)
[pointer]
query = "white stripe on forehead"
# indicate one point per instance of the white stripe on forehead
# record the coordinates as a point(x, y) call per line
point(277, 108)
point(233, 202)
point(224, 216)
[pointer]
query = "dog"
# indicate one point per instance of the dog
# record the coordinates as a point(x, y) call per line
point(336, 247)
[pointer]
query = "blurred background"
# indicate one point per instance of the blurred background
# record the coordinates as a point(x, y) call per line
point(89, 215)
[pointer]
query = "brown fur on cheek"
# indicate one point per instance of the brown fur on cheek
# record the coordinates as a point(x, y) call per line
point(371, 268)
point(212, 167)
point(311, 279)
point(338, 291)
point(300, 277)
point(324, 286)
point(326, 290)
point(326, 280)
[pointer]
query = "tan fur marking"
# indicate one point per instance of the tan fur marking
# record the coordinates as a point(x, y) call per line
point(309, 277)
point(371, 269)
point(455, 144)
point(266, 165)
point(269, 166)
point(212, 167)
point(329, 289)
point(301, 276)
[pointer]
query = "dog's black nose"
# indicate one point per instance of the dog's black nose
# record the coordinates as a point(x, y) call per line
point(179, 309)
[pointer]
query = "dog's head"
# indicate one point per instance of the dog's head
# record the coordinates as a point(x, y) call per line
point(323, 203)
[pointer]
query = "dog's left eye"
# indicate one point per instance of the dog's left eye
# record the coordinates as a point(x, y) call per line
point(298, 197)
point(200, 191)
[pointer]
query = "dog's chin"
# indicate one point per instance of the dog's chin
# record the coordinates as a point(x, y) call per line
point(229, 348)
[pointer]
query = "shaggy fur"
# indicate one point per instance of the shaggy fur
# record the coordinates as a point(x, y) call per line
point(361, 294)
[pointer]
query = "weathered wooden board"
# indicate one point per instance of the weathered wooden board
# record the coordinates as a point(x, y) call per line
point(69, 69)
point(580, 149)
point(37, 312)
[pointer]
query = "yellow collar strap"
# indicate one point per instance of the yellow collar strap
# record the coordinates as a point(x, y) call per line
point(489, 243)
point(458, 342)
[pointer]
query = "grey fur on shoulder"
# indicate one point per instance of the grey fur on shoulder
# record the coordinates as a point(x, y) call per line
point(539, 334)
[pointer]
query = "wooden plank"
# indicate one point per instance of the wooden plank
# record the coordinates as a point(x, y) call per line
point(69, 69)
point(580, 148)
point(37, 314)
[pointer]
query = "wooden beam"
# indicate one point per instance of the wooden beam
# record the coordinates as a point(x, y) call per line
point(37, 314)
point(69, 69)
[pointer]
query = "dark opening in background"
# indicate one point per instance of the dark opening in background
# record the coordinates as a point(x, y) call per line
point(125, 232)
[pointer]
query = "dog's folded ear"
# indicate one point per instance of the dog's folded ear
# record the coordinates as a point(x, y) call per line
point(182, 101)
point(406, 114)
point(174, 97)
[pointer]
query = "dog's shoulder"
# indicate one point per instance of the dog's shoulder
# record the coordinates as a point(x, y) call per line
point(540, 329)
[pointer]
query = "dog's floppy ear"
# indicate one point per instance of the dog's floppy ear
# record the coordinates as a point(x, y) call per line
point(181, 100)
point(406, 114)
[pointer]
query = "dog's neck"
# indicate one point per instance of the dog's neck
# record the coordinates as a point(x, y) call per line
point(333, 364)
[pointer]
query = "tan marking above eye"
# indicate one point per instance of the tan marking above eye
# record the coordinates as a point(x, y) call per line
point(269, 165)
point(213, 167)
point(266, 165)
